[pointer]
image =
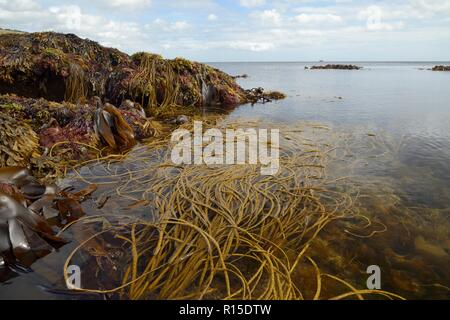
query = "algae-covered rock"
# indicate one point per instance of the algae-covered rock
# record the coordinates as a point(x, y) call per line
point(62, 132)
point(64, 67)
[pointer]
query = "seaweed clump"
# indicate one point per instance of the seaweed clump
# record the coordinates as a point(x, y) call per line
point(18, 142)
point(50, 136)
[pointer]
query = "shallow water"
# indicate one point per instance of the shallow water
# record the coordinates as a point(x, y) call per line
point(391, 121)
point(396, 118)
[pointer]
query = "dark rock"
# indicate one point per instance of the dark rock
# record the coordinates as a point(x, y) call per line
point(336, 67)
point(441, 68)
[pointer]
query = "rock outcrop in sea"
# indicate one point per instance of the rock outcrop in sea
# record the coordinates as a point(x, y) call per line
point(336, 67)
point(441, 68)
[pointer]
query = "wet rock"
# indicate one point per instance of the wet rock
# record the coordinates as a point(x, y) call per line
point(256, 95)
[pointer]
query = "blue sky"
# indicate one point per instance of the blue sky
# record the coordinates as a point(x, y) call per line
point(248, 30)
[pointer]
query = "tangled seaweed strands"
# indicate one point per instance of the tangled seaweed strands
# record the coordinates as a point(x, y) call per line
point(76, 90)
point(154, 77)
point(18, 143)
point(226, 232)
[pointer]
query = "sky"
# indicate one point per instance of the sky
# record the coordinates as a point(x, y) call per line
point(249, 30)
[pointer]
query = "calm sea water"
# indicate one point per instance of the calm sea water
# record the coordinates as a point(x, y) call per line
point(403, 100)
point(396, 117)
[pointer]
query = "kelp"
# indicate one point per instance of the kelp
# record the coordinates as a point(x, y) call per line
point(154, 83)
point(25, 231)
point(18, 142)
point(220, 232)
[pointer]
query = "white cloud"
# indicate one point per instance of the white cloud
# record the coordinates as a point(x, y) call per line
point(163, 25)
point(318, 18)
point(212, 17)
point(252, 3)
point(432, 6)
point(374, 16)
point(251, 46)
point(19, 5)
point(127, 4)
point(267, 16)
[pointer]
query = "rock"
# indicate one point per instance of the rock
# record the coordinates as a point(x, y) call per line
point(441, 68)
point(336, 67)
point(256, 95)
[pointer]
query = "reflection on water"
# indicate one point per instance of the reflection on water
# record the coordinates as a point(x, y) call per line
point(390, 123)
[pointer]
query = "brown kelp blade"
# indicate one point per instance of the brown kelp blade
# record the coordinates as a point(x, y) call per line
point(19, 242)
point(33, 191)
point(15, 175)
point(4, 237)
point(70, 209)
point(86, 192)
point(12, 209)
point(124, 131)
point(103, 128)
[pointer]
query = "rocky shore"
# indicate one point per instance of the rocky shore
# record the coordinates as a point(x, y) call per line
point(63, 98)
